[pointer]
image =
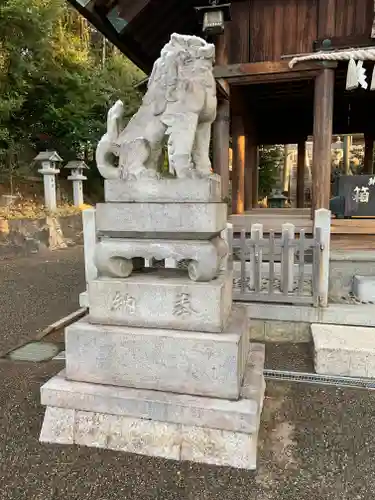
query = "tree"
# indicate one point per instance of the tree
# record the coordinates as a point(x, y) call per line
point(55, 85)
point(270, 161)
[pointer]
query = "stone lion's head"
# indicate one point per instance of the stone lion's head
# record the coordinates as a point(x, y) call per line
point(191, 46)
point(183, 53)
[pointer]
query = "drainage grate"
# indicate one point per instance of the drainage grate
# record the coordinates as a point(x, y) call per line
point(314, 378)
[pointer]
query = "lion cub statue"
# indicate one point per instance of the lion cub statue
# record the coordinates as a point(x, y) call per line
point(177, 110)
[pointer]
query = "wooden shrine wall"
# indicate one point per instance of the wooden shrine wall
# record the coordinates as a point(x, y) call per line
point(263, 30)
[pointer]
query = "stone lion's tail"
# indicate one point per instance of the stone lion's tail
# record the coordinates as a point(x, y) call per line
point(105, 158)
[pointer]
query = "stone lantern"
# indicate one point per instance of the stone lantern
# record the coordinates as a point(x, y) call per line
point(77, 168)
point(49, 161)
point(276, 199)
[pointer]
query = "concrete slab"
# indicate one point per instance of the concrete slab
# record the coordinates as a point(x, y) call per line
point(162, 298)
point(344, 350)
point(353, 314)
point(179, 361)
point(35, 351)
point(364, 288)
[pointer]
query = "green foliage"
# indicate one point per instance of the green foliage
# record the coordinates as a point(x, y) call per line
point(270, 160)
point(58, 77)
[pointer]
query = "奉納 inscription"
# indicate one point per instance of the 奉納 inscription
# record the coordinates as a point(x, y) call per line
point(123, 301)
point(182, 305)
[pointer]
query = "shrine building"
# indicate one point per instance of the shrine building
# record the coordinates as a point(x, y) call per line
point(287, 71)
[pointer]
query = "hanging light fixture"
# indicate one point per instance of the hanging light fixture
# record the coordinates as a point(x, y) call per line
point(213, 17)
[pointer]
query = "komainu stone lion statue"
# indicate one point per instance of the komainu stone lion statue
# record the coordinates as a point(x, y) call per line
point(178, 110)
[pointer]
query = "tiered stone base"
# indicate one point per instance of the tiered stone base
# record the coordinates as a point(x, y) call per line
point(199, 363)
point(155, 423)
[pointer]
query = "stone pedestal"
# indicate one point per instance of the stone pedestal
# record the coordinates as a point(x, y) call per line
point(77, 168)
point(162, 364)
point(77, 188)
point(155, 423)
point(163, 298)
point(168, 360)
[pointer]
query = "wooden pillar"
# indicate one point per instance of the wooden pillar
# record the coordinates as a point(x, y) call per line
point(220, 129)
point(287, 169)
point(301, 157)
point(369, 154)
point(238, 147)
point(255, 180)
point(346, 153)
point(249, 158)
point(323, 116)
point(221, 49)
point(251, 175)
point(220, 143)
point(251, 162)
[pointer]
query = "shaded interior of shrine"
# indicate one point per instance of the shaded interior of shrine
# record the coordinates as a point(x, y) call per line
point(285, 113)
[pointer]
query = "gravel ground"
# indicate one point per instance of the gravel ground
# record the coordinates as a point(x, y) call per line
point(36, 291)
point(288, 356)
point(315, 442)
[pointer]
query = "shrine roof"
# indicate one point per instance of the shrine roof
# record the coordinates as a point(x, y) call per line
point(140, 28)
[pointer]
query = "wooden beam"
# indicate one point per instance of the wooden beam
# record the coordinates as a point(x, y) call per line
point(323, 117)
point(221, 59)
point(220, 138)
point(345, 42)
point(301, 158)
point(129, 9)
point(263, 69)
point(124, 43)
point(368, 161)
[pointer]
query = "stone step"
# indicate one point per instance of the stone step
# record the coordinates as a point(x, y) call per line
point(199, 363)
point(161, 424)
point(344, 350)
point(239, 416)
point(364, 288)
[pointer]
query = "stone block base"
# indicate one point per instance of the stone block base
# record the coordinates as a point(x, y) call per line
point(161, 220)
point(344, 350)
point(162, 298)
point(206, 190)
point(114, 256)
point(160, 424)
point(167, 360)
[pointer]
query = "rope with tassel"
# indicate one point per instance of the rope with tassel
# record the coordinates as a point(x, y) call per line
point(356, 73)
